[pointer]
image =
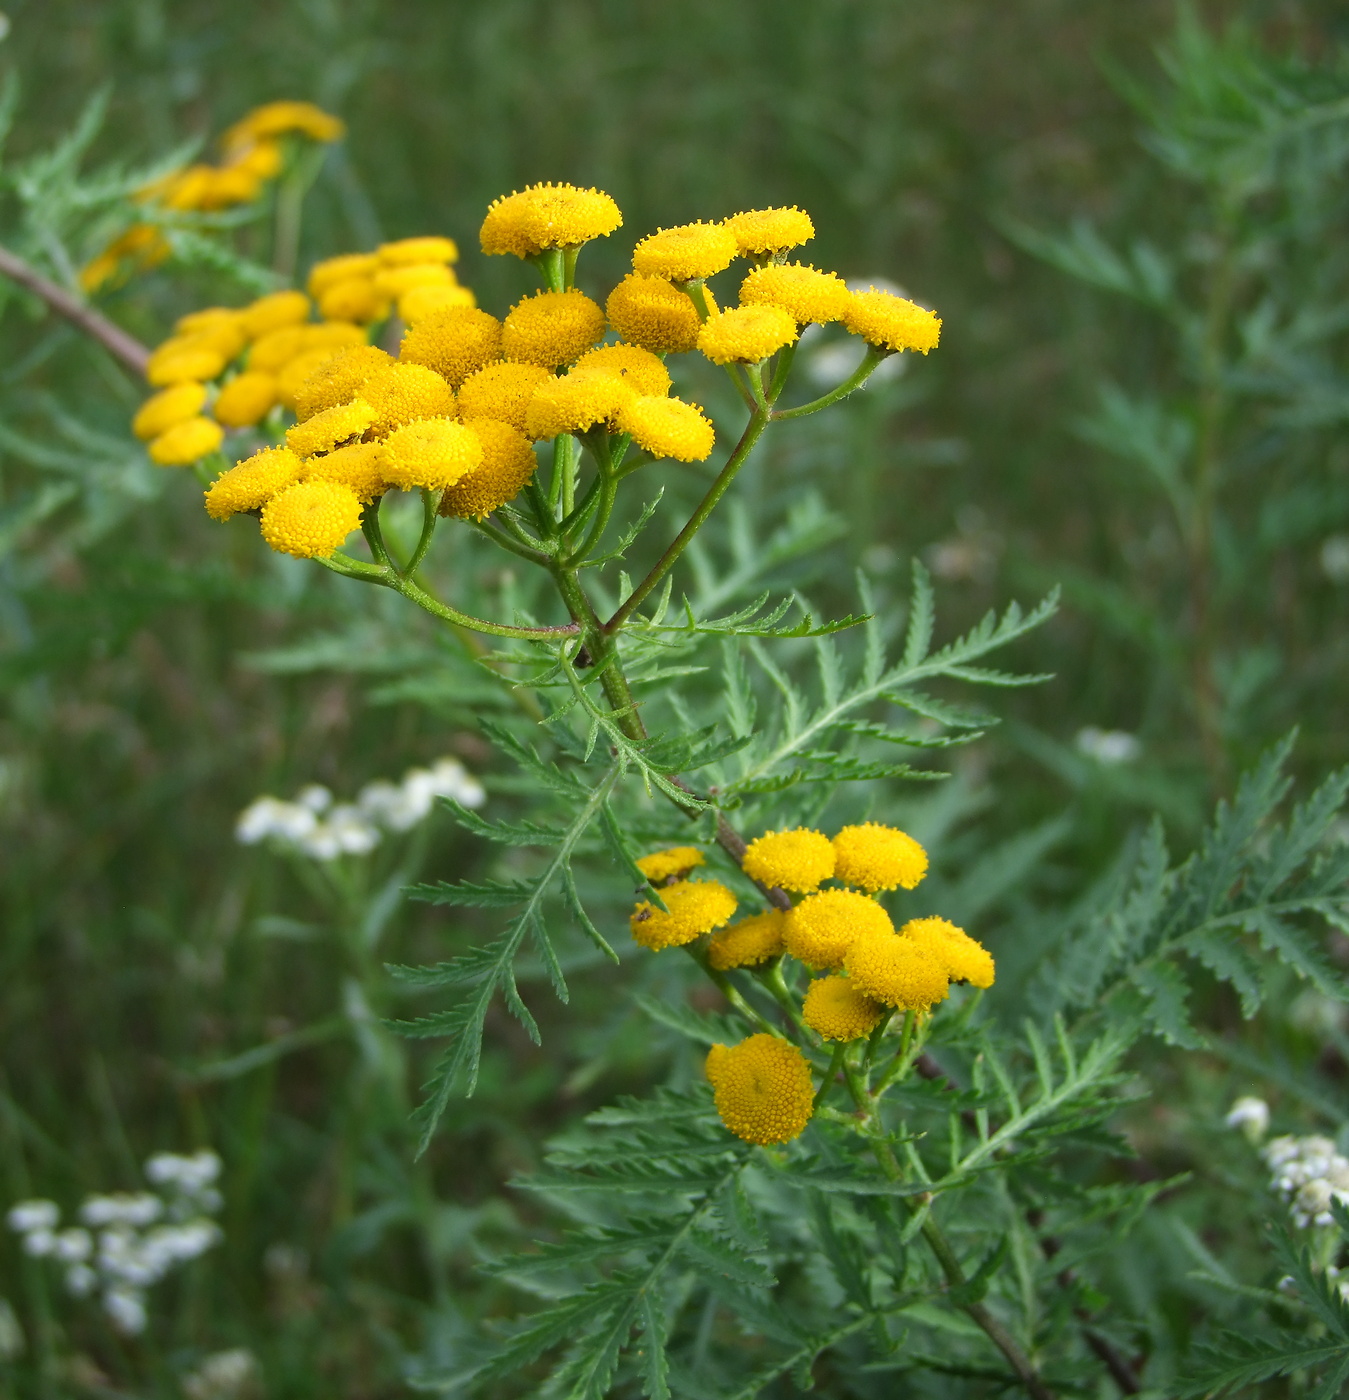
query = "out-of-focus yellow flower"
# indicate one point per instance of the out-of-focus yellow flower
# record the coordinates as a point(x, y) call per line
point(341, 268)
point(453, 342)
point(354, 299)
point(252, 483)
point(208, 319)
point(685, 253)
point(692, 908)
point(834, 1009)
point(186, 442)
point(501, 391)
point(394, 281)
point(173, 405)
point(575, 404)
point(425, 248)
point(283, 118)
point(762, 1089)
point(420, 302)
point(263, 160)
point(432, 453)
point(659, 866)
point(310, 519)
point(746, 334)
point(747, 943)
point(275, 310)
point(763, 232)
point(798, 860)
point(340, 379)
point(508, 462)
point(638, 368)
point(890, 322)
point(325, 430)
point(406, 392)
point(247, 399)
point(336, 335)
point(805, 293)
point(650, 312)
point(293, 376)
point(551, 328)
point(357, 465)
point(875, 857)
point(547, 216)
point(820, 930)
point(141, 247)
point(276, 349)
point(964, 959)
point(668, 428)
point(897, 971)
point(176, 361)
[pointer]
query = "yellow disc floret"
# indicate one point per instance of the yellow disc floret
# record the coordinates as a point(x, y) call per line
point(357, 465)
point(963, 958)
point(552, 328)
point(340, 379)
point(638, 368)
point(575, 404)
point(650, 312)
point(508, 461)
point(501, 391)
point(685, 253)
point(293, 376)
point(252, 483)
point(834, 1009)
point(897, 971)
point(692, 908)
point(325, 430)
point(547, 216)
point(173, 405)
point(747, 943)
point(454, 342)
point(405, 392)
point(890, 322)
point(186, 442)
point(746, 334)
point(273, 311)
point(798, 860)
point(432, 453)
point(762, 232)
point(762, 1088)
point(823, 927)
point(668, 428)
point(659, 866)
point(875, 857)
point(805, 293)
point(310, 519)
point(425, 248)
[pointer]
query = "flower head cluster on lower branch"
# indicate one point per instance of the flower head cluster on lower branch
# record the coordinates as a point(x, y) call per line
point(868, 969)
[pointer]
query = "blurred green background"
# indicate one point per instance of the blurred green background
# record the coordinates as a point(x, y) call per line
point(932, 141)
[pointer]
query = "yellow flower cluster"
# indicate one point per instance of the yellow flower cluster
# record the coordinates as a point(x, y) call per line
point(253, 156)
point(692, 908)
point(412, 273)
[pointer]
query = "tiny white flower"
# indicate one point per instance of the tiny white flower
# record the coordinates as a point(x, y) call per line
point(1335, 558)
point(453, 780)
point(355, 836)
point(315, 798)
point(1108, 746)
point(126, 1307)
point(221, 1376)
point(1251, 1115)
point(33, 1215)
point(73, 1246)
point(122, 1208)
point(81, 1280)
point(38, 1244)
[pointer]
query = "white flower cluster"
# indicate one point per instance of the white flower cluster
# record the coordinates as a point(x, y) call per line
point(1310, 1173)
point(317, 826)
point(221, 1376)
point(129, 1240)
point(1108, 746)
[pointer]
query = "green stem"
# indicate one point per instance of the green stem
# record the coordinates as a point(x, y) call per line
point(781, 370)
point(430, 505)
point(374, 533)
point(855, 380)
point(501, 538)
point(830, 1075)
point(552, 268)
point(416, 594)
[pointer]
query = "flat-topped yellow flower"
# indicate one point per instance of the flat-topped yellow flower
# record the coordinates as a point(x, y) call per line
point(576, 403)
point(209, 318)
point(325, 430)
point(653, 313)
point(423, 248)
point(668, 428)
point(898, 972)
point(640, 369)
point(508, 462)
point(746, 334)
point(692, 908)
point(454, 342)
point(358, 465)
point(186, 442)
point(272, 311)
point(354, 299)
point(798, 860)
point(552, 328)
point(333, 335)
point(763, 232)
point(547, 216)
point(252, 483)
point(403, 277)
point(292, 377)
point(340, 379)
point(963, 958)
point(748, 942)
point(177, 361)
point(501, 391)
point(247, 399)
point(405, 392)
point(343, 268)
point(805, 293)
point(310, 519)
point(823, 927)
point(274, 350)
point(762, 1088)
point(281, 119)
point(432, 453)
point(173, 405)
point(686, 253)
point(876, 857)
point(836, 1010)
point(420, 302)
point(659, 866)
point(890, 322)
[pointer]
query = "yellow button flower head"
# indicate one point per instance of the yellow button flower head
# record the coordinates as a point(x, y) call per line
point(276, 349)
point(836, 1010)
point(668, 428)
point(761, 1088)
point(354, 299)
point(325, 430)
point(340, 379)
point(692, 908)
point(342, 268)
point(891, 322)
point(292, 377)
point(226, 336)
point(252, 483)
point(209, 318)
point(551, 328)
point(247, 399)
point(875, 857)
point(676, 860)
point(762, 232)
point(271, 312)
point(547, 216)
point(805, 293)
point(639, 368)
point(162, 410)
point(420, 302)
point(433, 453)
point(501, 391)
point(177, 361)
point(333, 335)
point(425, 248)
point(186, 442)
point(747, 943)
point(357, 465)
point(899, 972)
point(575, 404)
point(394, 281)
point(453, 342)
point(403, 393)
point(281, 119)
point(650, 312)
point(823, 927)
point(310, 519)
point(262, 161)
point(798, 860)
point(508, 461)
point(746, 334)
point(685, 253)
point(963, 958)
